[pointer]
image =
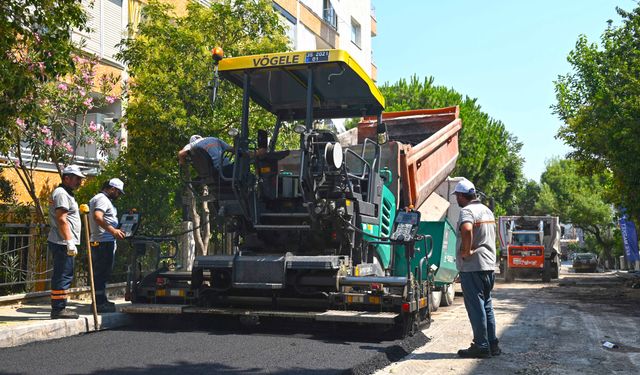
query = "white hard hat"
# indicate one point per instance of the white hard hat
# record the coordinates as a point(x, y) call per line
point(465, 187)
point(194, 138)
point(117, 183)
point(74, 170)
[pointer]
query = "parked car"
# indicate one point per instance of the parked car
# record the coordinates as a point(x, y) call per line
point(585, 262)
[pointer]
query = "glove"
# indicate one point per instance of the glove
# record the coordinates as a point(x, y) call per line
point(71, 248)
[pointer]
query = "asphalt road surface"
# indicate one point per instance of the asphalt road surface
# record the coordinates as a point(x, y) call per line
point(197, 347)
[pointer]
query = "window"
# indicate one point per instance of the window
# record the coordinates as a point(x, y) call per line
point(355, 32)
point(329, 14)
point(105, 20)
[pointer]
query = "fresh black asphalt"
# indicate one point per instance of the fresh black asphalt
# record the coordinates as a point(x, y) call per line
point(184, 345)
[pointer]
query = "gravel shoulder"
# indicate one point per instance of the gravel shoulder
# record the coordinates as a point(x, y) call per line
point(544, 328)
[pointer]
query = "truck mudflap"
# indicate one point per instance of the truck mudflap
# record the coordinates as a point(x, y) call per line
point(342, 316)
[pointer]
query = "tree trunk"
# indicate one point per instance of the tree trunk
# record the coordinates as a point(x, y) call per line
point(197, 236)
point(606, 245)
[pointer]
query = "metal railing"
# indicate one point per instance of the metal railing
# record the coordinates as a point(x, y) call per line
point(23, 261)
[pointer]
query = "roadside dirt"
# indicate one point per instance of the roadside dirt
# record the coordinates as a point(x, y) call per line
point(544, 328)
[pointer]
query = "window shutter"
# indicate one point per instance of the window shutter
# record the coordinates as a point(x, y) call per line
point(112, 27)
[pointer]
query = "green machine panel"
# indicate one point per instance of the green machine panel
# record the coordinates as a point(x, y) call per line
point(443, 256)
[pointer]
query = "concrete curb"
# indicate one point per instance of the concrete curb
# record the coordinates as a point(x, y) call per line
point(14, 298)
point(56, 329)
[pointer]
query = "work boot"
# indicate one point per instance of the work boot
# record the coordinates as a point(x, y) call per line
point(106, 307)
point(64, 314)
point(475, 351)
point(495, 349)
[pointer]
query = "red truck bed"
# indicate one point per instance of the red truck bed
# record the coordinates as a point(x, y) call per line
point(423, 147)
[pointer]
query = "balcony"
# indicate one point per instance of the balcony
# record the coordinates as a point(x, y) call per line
point(374, 22)
point(329, 16)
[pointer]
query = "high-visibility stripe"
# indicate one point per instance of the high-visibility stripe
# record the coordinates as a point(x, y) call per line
point(58, 297)
point(479, 223)
point(58, 292)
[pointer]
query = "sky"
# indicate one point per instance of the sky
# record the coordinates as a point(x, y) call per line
point(505, 53)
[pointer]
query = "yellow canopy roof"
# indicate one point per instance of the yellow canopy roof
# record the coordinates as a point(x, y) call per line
point(341, 88)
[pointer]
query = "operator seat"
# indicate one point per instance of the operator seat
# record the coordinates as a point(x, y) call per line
point(208, 174)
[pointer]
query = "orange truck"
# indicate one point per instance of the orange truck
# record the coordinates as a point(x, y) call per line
point(529, 246)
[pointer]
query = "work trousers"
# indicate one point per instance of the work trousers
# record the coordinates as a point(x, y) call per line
point(102, 254)
point(61, 277)
point(476, 289)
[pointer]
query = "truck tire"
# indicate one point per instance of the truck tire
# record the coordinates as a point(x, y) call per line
point(546, 271)
point(434, 299)
point(448, 294)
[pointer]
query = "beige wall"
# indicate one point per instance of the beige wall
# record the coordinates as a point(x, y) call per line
point(44, 181)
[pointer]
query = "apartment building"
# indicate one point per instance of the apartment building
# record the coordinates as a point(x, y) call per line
point(328, 24)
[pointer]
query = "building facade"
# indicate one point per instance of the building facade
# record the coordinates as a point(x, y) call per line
point(331, 24)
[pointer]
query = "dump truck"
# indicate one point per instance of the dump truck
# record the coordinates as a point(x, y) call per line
point(529, 246)
point(321, 232)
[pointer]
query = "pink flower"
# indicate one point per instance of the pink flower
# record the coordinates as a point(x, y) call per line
point(67, 145)
point(87, 102)
point(21, 123)
point(92, 126)
point(106, 137)
point(16, 163)
point(82, 92)
point(48, 142)
point(110, 99)
point(115, 141)
point(45, 130)
point(62, 87)
point(41, 67)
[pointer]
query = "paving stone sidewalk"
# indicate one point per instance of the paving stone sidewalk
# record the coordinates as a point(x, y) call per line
point(29, 321)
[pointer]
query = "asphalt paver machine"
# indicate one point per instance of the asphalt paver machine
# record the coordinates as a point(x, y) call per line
point(321, 232)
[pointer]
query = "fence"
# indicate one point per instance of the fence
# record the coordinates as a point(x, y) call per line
point(26, 265)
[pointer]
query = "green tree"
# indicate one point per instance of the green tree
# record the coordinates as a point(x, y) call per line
point(579, 200)
point(598, 103)
point(36, 46)
point(526, 199)
point(171, 68)
point(56, 126)
point(489, 154)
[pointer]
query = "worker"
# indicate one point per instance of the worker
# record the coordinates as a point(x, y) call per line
point(215, 148)
point(63, 238)
point(103, 221)
point(476, 259)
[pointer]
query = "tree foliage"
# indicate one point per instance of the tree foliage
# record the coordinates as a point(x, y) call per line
point(35, 46)
point(489, 154)
point(579, 200)
point(526, 199)
point(598, 103)
point(56, 124)
point(171, 69)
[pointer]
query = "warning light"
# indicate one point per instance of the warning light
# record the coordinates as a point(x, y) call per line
point(217, 53)
point(406, 307)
